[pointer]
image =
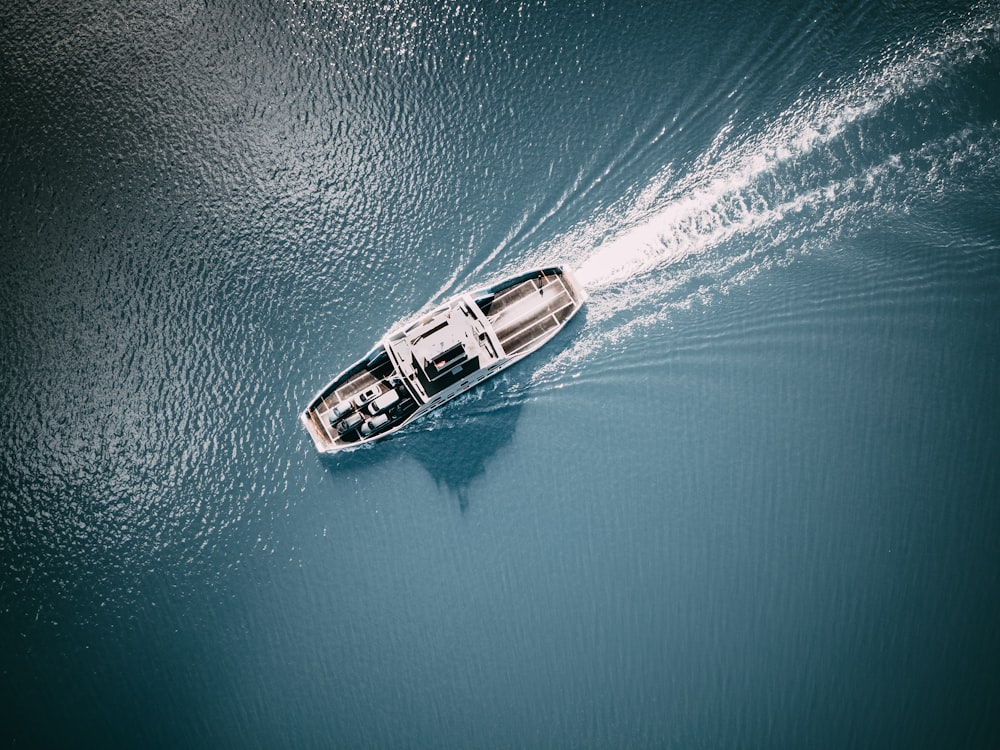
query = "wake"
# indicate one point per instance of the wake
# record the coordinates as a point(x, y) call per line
point(755, 200)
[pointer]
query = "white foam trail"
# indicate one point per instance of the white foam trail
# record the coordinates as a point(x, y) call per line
point(785, 188)
point(718, 199)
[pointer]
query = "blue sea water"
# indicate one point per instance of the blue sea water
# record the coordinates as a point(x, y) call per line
point(750, 498)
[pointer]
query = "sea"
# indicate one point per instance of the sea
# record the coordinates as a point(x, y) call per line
point(748, 498)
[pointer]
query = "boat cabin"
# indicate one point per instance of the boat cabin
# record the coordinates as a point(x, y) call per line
point(442, 348)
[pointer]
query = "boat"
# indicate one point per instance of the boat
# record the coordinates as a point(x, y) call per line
point(438, 355)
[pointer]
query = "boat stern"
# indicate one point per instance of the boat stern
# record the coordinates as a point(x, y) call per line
point(573, 285)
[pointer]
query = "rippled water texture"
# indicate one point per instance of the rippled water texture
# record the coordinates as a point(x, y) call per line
point(747, 499)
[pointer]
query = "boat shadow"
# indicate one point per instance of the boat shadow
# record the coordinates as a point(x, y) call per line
point(456, 443)
point(455, 451)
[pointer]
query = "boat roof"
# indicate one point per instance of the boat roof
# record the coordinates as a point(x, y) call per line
point(443, 346)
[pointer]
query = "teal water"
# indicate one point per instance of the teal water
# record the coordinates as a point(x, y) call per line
point(748, 499)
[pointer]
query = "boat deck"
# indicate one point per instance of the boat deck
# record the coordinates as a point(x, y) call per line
point(358, 383)
point(530, 312)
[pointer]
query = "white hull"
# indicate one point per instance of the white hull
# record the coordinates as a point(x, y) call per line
point(435, 357)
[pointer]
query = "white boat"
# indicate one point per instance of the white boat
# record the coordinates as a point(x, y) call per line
point(441, 354)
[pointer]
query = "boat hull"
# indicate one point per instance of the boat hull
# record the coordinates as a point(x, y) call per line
point(437, 356)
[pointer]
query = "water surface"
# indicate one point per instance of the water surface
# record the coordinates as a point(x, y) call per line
point(748, 499)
